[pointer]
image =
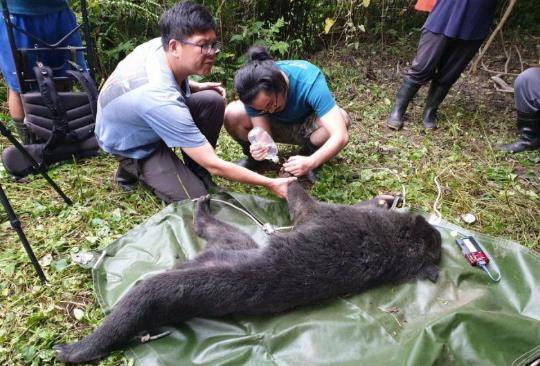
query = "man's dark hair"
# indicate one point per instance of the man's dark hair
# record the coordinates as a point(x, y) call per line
point(260, 73)
point(183, 20)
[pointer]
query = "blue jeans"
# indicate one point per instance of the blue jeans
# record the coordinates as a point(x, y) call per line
point(48, 27)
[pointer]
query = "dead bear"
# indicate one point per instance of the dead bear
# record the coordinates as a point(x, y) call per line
point(333, 250)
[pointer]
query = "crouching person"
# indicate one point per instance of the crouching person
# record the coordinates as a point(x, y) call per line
point(527, 99)
point(291, 101)
point(149, 106)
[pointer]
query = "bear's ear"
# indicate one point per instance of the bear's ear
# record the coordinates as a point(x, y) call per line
point(430, 272)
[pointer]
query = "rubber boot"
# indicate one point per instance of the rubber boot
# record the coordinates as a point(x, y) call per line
point(529, 133)
point(436, 95)
point(406, 92)
point(24, 133)
point(247, 161)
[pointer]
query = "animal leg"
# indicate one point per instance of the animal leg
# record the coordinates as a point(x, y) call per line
point(170, 298)
point(217, 257)
point(216, 232)
point(301, 204)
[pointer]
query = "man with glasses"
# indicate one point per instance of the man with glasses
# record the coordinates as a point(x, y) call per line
point(149, 106)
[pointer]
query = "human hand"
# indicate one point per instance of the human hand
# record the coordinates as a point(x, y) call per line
point(279, 186)
point(298, 165)
point(213, 86)
point(258, 151)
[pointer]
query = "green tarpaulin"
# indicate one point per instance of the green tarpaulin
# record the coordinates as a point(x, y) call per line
point(463, 319)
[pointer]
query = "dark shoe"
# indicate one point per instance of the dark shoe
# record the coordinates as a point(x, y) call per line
point(307, 149)
point(124, 179)
point(436, 95)
point(529, 133)
point(406, 92)
point(247, 161)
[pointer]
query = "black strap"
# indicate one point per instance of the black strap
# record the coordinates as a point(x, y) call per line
point(60, 131)
point(88, 84)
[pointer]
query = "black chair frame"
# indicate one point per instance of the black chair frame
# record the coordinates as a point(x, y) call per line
point(26, 83)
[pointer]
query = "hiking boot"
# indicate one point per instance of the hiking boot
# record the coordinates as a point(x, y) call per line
point(529, 133)
point(124, 179)
point(406, 92)
point(436, 95)
point(247, 161)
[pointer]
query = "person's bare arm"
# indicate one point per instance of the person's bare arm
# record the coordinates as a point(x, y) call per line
point(335, 124)
point(207, 158)
point(197, 87)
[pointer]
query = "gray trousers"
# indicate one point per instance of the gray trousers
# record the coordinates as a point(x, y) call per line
point(441, 59)
point(163, 172)
point(527, 91)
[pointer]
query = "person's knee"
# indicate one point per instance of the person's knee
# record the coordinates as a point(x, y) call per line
point(236, 118)
point(213, 100)
point(234, 113)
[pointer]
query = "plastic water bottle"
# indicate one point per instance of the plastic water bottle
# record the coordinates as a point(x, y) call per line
point(259, 136)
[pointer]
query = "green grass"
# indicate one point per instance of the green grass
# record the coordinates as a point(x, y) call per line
point(502, 191)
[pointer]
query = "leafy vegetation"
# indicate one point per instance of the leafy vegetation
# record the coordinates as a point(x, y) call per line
point(457, 161)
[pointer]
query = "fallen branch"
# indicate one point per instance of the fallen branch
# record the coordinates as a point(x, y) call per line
point(501, 85)
point(519, 55)
point(485, 68)
point(508, 55)
point(474, 66)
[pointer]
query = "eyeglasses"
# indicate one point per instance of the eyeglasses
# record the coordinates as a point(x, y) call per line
point(206, 48)
point(272, 105)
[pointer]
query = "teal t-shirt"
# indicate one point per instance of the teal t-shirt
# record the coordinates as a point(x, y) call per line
point(308, 93)
point(35, 7)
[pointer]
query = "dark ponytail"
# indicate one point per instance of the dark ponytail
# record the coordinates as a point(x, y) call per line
point(257, 53)
point(260, 73)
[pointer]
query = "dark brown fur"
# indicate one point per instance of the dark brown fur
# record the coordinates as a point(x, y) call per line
point(333, 250)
